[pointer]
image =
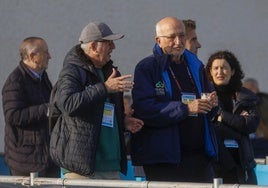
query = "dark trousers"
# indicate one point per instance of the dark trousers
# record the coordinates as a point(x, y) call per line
point(193, 168)
point(52, 171)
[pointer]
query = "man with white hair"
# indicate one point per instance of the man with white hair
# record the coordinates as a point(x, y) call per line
point(177, 141)
point(90, 97)
point(25, 104)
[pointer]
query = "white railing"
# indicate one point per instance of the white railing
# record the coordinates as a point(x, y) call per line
point(263, 161)
point(34, 181)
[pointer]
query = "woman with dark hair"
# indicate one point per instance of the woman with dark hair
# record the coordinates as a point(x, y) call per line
point(237, 118)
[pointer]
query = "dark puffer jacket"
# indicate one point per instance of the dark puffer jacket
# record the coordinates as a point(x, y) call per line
point(82, 106)
point(25, 103)
point(237, 127)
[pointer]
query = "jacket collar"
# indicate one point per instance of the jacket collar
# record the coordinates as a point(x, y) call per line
point(164, 60)
point(77, 56)
point(28, 71)
point(194, 64)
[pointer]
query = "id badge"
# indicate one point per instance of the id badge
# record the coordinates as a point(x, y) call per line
point(187, 98)
point(108, 115)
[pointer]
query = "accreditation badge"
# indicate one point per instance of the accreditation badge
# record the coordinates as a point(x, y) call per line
point(188, 97)
point(108, 115)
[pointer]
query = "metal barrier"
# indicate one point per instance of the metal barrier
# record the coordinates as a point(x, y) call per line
point(262, 160)
point(34, 181)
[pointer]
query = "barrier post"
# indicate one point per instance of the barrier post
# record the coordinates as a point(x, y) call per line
point(217, 182)
point(32, 176)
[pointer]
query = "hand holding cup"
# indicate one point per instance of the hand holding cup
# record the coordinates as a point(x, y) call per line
point(211, 97)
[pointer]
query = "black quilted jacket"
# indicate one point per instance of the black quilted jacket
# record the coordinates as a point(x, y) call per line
point(25, 103)
point(82, 106)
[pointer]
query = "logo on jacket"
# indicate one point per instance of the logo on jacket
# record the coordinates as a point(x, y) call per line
point(159, 88)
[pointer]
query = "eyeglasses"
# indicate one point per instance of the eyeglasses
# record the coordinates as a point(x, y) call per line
point(173, 37)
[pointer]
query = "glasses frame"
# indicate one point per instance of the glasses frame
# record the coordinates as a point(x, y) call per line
point(181, 36)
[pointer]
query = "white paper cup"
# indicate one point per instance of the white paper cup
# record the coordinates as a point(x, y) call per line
point(205, 95)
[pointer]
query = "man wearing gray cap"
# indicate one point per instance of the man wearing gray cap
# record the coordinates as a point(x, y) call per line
point(90, 98)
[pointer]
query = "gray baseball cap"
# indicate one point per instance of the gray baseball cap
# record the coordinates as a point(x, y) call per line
point(95, 31)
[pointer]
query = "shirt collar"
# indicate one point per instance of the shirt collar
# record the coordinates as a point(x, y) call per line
point(36, 75)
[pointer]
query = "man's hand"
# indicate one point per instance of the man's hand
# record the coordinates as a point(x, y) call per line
point(118, 84)
point(199, 106)
point(133, 124)
point(244, 113)
point(213, 99)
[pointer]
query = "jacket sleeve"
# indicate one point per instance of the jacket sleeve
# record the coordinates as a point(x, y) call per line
point(154, 105)
point(18, 112)
point(74, 96)
point(245, 124)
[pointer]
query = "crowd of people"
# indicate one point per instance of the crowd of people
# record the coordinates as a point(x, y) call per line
point(170, 130)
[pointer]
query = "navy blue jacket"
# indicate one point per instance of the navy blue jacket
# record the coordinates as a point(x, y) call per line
point(159, 139)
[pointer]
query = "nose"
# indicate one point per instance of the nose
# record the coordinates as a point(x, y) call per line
point(198, 45)
point(178, 40)
point(112, 44)
point(220, 71)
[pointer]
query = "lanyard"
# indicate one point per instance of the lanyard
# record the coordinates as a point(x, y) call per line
point(176, 80)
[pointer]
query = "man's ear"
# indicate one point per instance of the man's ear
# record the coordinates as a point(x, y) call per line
point(31, 57)
point(157, 40)
point(93, 46)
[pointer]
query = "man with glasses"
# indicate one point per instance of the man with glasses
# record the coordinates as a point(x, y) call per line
point(90, 97)
point(177, 142)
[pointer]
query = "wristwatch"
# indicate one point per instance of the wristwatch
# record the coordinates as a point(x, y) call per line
point(219, 118)
point(219, 115)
